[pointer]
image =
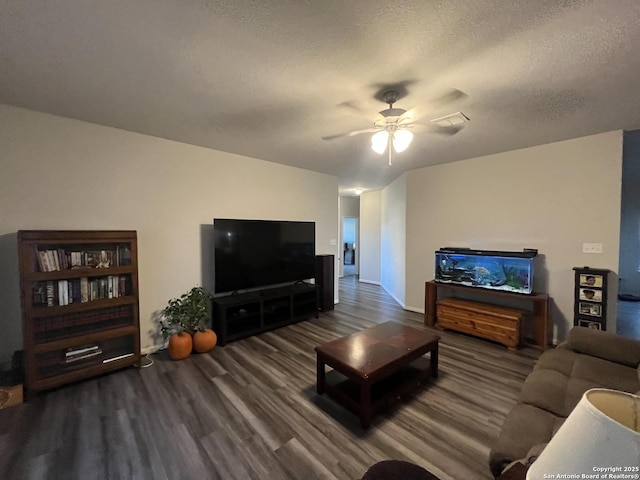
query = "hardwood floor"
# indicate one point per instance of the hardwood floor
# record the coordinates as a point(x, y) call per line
point(250, 411)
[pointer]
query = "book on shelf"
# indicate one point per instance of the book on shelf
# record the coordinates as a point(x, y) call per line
point(83, 356)
point(75, 351)
point(84, 289)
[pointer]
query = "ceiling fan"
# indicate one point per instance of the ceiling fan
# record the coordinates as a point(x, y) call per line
point(393, 126)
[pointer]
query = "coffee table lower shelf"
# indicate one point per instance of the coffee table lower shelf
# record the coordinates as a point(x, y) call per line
point(384, 393)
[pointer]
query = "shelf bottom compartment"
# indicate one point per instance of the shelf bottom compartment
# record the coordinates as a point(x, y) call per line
point(96, 354)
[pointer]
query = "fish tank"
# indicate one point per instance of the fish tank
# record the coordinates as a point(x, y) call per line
point(490, 269)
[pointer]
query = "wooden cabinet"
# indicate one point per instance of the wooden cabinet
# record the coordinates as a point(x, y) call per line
point(79, 295)
point(492, 322)
point(590, 297)
point(537, 302)
point(246, 314)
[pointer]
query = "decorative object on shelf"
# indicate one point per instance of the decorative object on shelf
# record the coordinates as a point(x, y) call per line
point(204, 340)
point(601, 436)
point(180, 345)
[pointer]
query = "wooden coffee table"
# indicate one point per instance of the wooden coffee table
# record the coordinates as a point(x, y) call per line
point(376, 366)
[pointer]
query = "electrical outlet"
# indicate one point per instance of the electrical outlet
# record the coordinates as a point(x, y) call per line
point(333, 241)
point(591, 248)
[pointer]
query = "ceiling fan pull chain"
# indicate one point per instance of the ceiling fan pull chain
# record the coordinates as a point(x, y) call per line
point(389, 147)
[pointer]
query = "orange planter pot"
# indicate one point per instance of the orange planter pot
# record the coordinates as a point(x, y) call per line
point(204, 341)
point(180, 346)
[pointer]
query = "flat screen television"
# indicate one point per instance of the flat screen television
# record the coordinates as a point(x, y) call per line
point(250, 254)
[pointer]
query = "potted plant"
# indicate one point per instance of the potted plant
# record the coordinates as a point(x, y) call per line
point(183, 317)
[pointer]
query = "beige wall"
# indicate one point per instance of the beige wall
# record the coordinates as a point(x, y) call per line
point(58, 173)
point(370, 237)
point(551, 197)
point(394, 239)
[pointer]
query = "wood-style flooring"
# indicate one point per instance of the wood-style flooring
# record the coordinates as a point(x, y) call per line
point(250, 411)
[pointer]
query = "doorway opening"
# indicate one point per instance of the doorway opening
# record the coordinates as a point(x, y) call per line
point(349, 246)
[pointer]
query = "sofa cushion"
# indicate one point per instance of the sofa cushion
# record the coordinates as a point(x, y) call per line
point(546, 389)
point(606, 345)
point(559, 359)
point(561, 377)
point(605, 373)
point(524, 426)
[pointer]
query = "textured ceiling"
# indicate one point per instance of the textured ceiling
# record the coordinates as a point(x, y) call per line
point(269, 79)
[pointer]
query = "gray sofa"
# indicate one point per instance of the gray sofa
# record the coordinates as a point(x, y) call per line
point(587, 359)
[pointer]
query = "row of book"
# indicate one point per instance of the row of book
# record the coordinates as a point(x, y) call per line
point(80, 290)
point(53, 260)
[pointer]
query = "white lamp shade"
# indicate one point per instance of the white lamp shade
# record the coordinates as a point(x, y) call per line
point(401, 140)
point(600, 433)
point(379, 141)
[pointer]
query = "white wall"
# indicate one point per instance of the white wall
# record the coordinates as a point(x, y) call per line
point(59, 173)
point(630, 216)
point(394, 239)
point(551, 197)
point(370, 236)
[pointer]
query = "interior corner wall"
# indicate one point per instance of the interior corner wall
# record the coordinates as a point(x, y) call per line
point(370, 237)
point(551, 197)
point(394, 239)
point(59, 173)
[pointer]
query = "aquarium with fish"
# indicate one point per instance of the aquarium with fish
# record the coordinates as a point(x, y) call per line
point(491, 269)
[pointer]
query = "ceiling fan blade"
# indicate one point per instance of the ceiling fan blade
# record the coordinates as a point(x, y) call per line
point(353, 105)
point(433, 128)
point(421, 111)
point(351, 134)
point(450, 96)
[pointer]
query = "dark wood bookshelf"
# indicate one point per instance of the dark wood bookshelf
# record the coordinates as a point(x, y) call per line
point(79, 297)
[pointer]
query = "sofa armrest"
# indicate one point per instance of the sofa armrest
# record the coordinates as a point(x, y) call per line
point(605, 345)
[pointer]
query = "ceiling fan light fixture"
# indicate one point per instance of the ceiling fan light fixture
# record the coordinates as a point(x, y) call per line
point(379, 141)
point(401, 140)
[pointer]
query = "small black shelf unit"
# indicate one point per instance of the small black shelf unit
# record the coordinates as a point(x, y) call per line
point(245, 314)
point(590, 297)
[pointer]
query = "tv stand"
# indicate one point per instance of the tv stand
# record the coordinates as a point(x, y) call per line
point(540, 301)
point(244, 314)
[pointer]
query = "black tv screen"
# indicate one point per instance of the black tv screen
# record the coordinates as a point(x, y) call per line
point(258, 253)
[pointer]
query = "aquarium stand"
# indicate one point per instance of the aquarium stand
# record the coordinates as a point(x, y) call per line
point(537, 306)
point(497, 323)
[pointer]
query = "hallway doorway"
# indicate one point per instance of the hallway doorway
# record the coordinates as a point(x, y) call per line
point(350, 246)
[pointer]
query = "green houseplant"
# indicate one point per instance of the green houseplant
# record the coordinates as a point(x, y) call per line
point(182, 318)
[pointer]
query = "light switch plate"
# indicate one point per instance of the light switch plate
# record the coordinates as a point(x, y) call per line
point(591, 248)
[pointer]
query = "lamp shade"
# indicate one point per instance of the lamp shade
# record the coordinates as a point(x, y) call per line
point(401, 140)
point(379, 141)
point(600, 437)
